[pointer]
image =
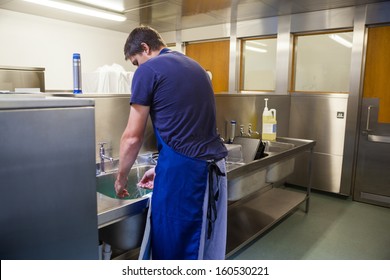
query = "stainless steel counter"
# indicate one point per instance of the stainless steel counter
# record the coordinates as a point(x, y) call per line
point(112, 210)
point(37, 101)
point(300, 145)
point(249, 216)
point(252, 215)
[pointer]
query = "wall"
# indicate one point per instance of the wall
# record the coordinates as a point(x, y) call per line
point(248, 108)
point(32, 41)
point(111, 114)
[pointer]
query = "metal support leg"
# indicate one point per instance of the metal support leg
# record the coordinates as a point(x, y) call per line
point(309, 170)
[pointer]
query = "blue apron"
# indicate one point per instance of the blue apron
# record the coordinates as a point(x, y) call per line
point(188, 217)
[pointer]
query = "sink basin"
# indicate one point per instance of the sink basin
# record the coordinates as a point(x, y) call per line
point(245, 185)
point(280, 170)
point(277, 147)
point(255, 180)
point(234, 153)
point(231, 165)
point(105, 183)
point(125, 234)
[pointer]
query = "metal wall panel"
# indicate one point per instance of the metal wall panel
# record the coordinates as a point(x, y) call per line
point(233, 50)
point(111, 116)
point(378, 13)
point(48, 187)
point(206, 33)
point(248, 108)
point(322, 20)
point(355, 83)
point(257, 27)
point(17, 77)
point(283, 58)
point(320, 118)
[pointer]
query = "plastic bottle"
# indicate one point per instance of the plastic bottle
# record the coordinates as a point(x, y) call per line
point(77, 73)
point(269, 123)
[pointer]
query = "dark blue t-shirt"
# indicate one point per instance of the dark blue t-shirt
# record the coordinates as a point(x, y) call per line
point(182, 105)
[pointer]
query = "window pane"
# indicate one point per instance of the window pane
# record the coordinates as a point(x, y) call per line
point(258, 64)
point(322, 62)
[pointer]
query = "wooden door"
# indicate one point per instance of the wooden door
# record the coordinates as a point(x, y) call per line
point(214, 57)
point(377, 70)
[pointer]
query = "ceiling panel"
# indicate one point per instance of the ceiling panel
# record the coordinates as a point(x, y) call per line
point(170, 15)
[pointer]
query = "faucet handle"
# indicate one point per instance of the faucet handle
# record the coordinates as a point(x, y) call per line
point(101, 144)
point(102, 149)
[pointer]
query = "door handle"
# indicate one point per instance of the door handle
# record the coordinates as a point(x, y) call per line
point(379, 138)
point(367, 130)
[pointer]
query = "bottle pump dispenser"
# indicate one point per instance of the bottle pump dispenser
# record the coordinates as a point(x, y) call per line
point(269, 123)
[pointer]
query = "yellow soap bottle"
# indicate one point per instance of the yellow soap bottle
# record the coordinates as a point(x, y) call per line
point(269, 123)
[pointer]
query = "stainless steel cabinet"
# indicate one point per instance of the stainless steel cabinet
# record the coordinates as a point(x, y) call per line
point(47, 178)
point(321, 118)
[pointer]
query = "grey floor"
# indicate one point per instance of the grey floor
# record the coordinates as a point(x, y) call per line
point(336, 228)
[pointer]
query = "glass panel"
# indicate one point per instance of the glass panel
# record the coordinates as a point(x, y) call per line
point(258, 64)
point(322, 62)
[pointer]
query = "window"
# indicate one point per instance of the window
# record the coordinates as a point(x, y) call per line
point(258, 64)
point(322, 62)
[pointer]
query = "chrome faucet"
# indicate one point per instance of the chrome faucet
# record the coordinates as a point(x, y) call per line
point(242, 133)
point(250, 131)
point(242, 130)
point(220, 137)
point(103, 156)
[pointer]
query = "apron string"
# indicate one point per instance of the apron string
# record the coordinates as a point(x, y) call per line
point(213, 196)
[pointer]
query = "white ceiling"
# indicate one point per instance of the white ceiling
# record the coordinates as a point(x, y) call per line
point(170, 15)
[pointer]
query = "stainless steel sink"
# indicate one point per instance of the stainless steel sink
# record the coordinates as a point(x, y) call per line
point(279, 170)
point(249, 182)
point(246, 184)
point(252, 179)
point(127, 215)
point(277, 147)
point(105, 183)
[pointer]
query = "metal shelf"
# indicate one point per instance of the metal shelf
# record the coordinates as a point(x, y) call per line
point(249, 218)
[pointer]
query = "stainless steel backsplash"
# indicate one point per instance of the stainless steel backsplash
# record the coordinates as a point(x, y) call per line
point(248, 108)
point(111, 115)
point(21, 77)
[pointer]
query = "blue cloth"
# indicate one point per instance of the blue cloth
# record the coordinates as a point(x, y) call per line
point(210, 247)
point(213, 247)
point(179, 225)
point(178, 195)
point(182, 104)
point(146, 249)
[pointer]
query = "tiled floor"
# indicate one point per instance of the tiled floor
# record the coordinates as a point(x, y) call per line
point(335, 228)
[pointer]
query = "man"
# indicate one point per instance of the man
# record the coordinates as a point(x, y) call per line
point(189, 202)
